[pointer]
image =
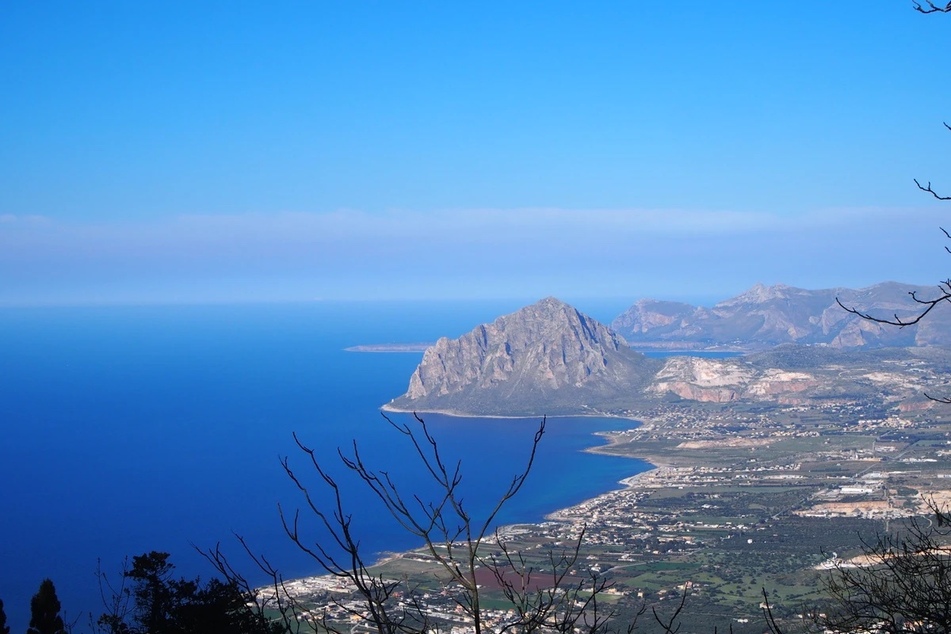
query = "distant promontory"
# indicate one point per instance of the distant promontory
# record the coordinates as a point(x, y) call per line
point(547, 358)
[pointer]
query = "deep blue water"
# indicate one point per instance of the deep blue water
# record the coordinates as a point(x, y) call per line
point(130, 429)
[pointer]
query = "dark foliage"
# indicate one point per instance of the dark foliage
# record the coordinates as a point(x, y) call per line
point(44, 611)
point(4, 628)
point(150, 600)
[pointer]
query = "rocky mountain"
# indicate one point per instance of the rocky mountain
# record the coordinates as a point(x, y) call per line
point(767, 316)
point(546, 358)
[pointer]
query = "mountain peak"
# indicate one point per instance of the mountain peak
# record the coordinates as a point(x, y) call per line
point(760, 293)
point(545, 358)
point(548, 305)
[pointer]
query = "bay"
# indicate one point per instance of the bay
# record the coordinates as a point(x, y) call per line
point(130, 429)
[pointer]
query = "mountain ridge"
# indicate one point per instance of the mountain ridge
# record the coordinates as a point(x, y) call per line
point(766, 316)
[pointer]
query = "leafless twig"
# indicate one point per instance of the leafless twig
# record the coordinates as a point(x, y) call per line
point(932, 8)
point(944, 295)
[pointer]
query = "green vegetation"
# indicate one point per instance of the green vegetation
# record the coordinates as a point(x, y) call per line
point(150, 600)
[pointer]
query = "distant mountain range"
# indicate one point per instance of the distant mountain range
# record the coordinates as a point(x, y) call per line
point(549, 358)
point(767, 316)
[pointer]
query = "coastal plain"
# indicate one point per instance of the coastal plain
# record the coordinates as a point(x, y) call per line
point(742, 500)
point(771, 469)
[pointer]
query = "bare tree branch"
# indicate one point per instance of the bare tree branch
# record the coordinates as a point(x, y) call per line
point(768, 615)
point(671, 625)
point(944, 295)
point(277, 603)
point(927, 188)
point(903, 586)
point(932, 8)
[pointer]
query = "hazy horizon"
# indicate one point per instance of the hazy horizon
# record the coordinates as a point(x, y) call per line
point(193, 153)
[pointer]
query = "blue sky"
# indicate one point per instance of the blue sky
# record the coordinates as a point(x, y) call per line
point(194, 151)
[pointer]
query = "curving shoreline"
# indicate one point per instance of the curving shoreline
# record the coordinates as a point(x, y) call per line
point(627, 483)
point(630, 482)
point(561, 515)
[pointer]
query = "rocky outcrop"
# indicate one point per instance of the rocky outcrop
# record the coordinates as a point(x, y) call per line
point(767, 316)
point(722, 381)
point(651, 315)
point(546, 358)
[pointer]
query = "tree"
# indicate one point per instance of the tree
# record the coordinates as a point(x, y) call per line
point(149, 600)
point(44, 611)
point(901, 585)
point(4, 628)
point(154, 591)
point(468, 550)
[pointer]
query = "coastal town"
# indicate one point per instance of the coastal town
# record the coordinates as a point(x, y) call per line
point(743, 500)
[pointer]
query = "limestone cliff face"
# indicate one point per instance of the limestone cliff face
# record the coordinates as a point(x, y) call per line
point(546, 358)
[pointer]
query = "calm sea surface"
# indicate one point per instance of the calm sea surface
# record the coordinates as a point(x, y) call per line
point(132, 429)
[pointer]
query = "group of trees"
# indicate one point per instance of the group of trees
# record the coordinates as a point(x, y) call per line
point(148, 599)
point(44, 612)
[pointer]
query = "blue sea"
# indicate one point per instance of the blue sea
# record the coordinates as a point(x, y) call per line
point(131, 429)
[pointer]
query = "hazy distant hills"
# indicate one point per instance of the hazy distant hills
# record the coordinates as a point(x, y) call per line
point(767, 316)
point(547, 358)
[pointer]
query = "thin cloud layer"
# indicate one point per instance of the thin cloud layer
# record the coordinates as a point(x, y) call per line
point(346, 254)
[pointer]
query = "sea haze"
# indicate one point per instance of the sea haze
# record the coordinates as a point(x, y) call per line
point(129, 429)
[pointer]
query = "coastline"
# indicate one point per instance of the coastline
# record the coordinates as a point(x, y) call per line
point(390, 347)
point(566, 516)
point(390, 408)
point(627, 483)
point(562, 514)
